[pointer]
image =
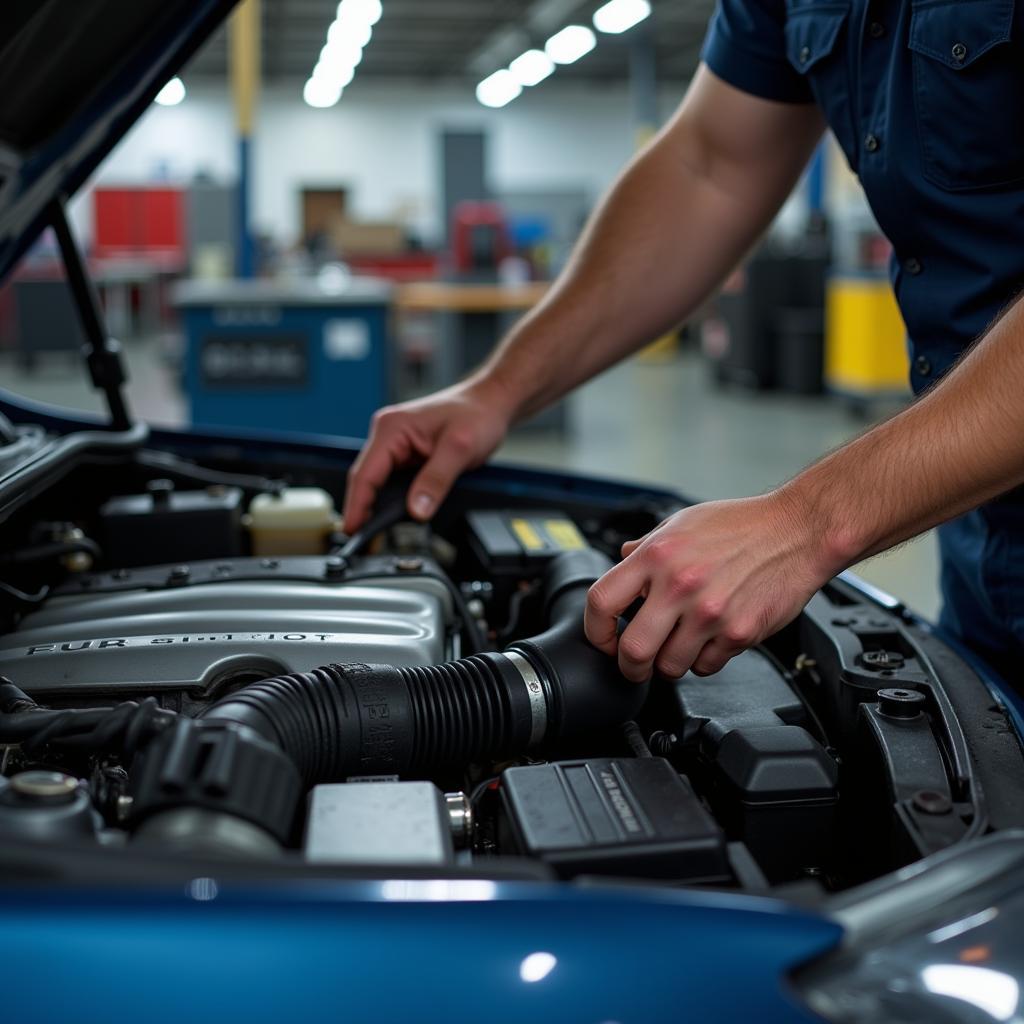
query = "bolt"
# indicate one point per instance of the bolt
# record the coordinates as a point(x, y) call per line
point(160, 491)
point(930, 801)
point(269, 563)
point(120, 574)
point(879, 660)
point(662, 743)
point(410, 563)
point(123, 807)
point(223, 568)
point(334, 567)
point(900, 703)
point(179, 574)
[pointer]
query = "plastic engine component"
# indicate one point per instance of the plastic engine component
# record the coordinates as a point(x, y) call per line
point(166, 525)
point(619, 817)
point(378, 823)
point(770, 782)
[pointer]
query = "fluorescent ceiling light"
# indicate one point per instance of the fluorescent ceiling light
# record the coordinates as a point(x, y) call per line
point(570, 44)
point(619, 15)
point(366, 11)
point(531, 67)
point(498, 89)
point(318, 92)
point(172, 93)
point(340, 55)
point(348, 33)
point(336, 75)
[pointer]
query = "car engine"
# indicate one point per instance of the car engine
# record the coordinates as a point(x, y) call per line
point(193, 675)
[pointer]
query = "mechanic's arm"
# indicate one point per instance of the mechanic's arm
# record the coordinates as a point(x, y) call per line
point(675, 223)
point(720, 577)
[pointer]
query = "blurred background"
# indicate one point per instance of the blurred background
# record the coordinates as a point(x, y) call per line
point(337, 206)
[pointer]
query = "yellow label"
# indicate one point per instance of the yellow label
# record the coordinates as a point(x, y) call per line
point(564, 534)
point(528, 536)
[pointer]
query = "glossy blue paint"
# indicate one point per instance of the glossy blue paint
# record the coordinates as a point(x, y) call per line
point(300, 449)
point(404, 952)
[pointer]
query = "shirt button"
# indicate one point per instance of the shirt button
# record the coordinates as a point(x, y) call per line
point(871, 143)
point(805, 54)
point(923, 366)
point(877, 30)
point(959, 52)
point(913, 266)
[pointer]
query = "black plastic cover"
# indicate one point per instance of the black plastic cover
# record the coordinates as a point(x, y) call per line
point(618, 817)
point(770, 782)
point(172, 526)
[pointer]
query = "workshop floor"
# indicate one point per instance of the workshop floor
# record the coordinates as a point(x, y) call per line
point(659, 423)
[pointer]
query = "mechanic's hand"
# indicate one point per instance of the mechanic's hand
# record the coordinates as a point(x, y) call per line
point(716, 579)
point(453, 430)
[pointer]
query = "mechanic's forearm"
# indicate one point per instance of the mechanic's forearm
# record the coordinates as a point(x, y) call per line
point(957, 447)
point(675, 223)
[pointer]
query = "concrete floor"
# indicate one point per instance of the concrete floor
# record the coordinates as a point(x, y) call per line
point(660, 423)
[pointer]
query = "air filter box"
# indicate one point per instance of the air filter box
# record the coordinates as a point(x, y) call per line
point(628, 817)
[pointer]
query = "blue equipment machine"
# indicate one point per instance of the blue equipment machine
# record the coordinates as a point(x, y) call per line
point(303, 355)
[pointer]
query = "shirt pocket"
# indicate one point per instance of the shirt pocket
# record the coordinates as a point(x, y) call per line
point(814, 32)
point(968, 92)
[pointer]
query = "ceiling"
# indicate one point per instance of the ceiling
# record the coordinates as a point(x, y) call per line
point(436, 40)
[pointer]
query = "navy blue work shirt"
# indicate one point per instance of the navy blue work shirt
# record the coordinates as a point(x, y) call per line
point(926, 99)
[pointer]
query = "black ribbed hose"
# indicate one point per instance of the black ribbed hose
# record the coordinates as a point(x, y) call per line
point(342, 720)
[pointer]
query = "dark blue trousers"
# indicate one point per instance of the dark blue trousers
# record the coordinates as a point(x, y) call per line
point(983, 584)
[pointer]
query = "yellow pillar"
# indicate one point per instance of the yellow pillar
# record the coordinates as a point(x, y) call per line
point(244, 63)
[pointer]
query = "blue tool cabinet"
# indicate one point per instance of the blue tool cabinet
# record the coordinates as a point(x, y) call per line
point(294, 355)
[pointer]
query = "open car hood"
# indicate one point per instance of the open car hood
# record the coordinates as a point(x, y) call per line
point(74, 78)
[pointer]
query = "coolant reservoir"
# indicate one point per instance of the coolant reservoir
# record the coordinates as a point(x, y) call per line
point(297, 521)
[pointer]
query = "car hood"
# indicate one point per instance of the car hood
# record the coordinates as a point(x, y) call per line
point(75, 77)
point(405, 950)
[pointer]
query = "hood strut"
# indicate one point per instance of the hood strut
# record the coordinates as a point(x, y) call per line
point(102, 353)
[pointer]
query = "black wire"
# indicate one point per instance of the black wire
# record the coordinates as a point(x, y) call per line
point(478, 791)
point(124, 727)
point(635, 738)
point(8, 431)
point(175, 466)
point(20, 595)
point(53, 549)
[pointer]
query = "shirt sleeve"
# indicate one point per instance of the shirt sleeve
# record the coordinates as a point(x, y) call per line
point(746, 47)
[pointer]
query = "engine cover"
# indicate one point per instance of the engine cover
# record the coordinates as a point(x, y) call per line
point(199, 638)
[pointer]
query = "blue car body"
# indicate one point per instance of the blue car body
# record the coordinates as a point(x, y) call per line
point(382, 951)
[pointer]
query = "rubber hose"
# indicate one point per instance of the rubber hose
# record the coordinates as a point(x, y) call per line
point(342, 720)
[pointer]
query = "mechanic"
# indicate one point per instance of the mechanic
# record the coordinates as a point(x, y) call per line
point(926, 99)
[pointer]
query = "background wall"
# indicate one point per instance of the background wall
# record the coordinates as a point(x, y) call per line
point(381, 142)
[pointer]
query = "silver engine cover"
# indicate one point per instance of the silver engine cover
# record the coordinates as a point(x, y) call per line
point(198, 639)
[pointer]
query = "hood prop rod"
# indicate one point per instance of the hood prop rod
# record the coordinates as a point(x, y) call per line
point(102, 353)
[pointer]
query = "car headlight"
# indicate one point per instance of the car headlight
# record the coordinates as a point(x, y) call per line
point(938, 942)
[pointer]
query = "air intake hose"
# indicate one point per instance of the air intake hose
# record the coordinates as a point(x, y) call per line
point(343, 720)
point(251, 757)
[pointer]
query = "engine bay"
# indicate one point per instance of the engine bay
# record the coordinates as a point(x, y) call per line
point(199, 667)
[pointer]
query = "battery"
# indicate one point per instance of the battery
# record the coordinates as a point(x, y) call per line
point(629, 816)
point(519, 543)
